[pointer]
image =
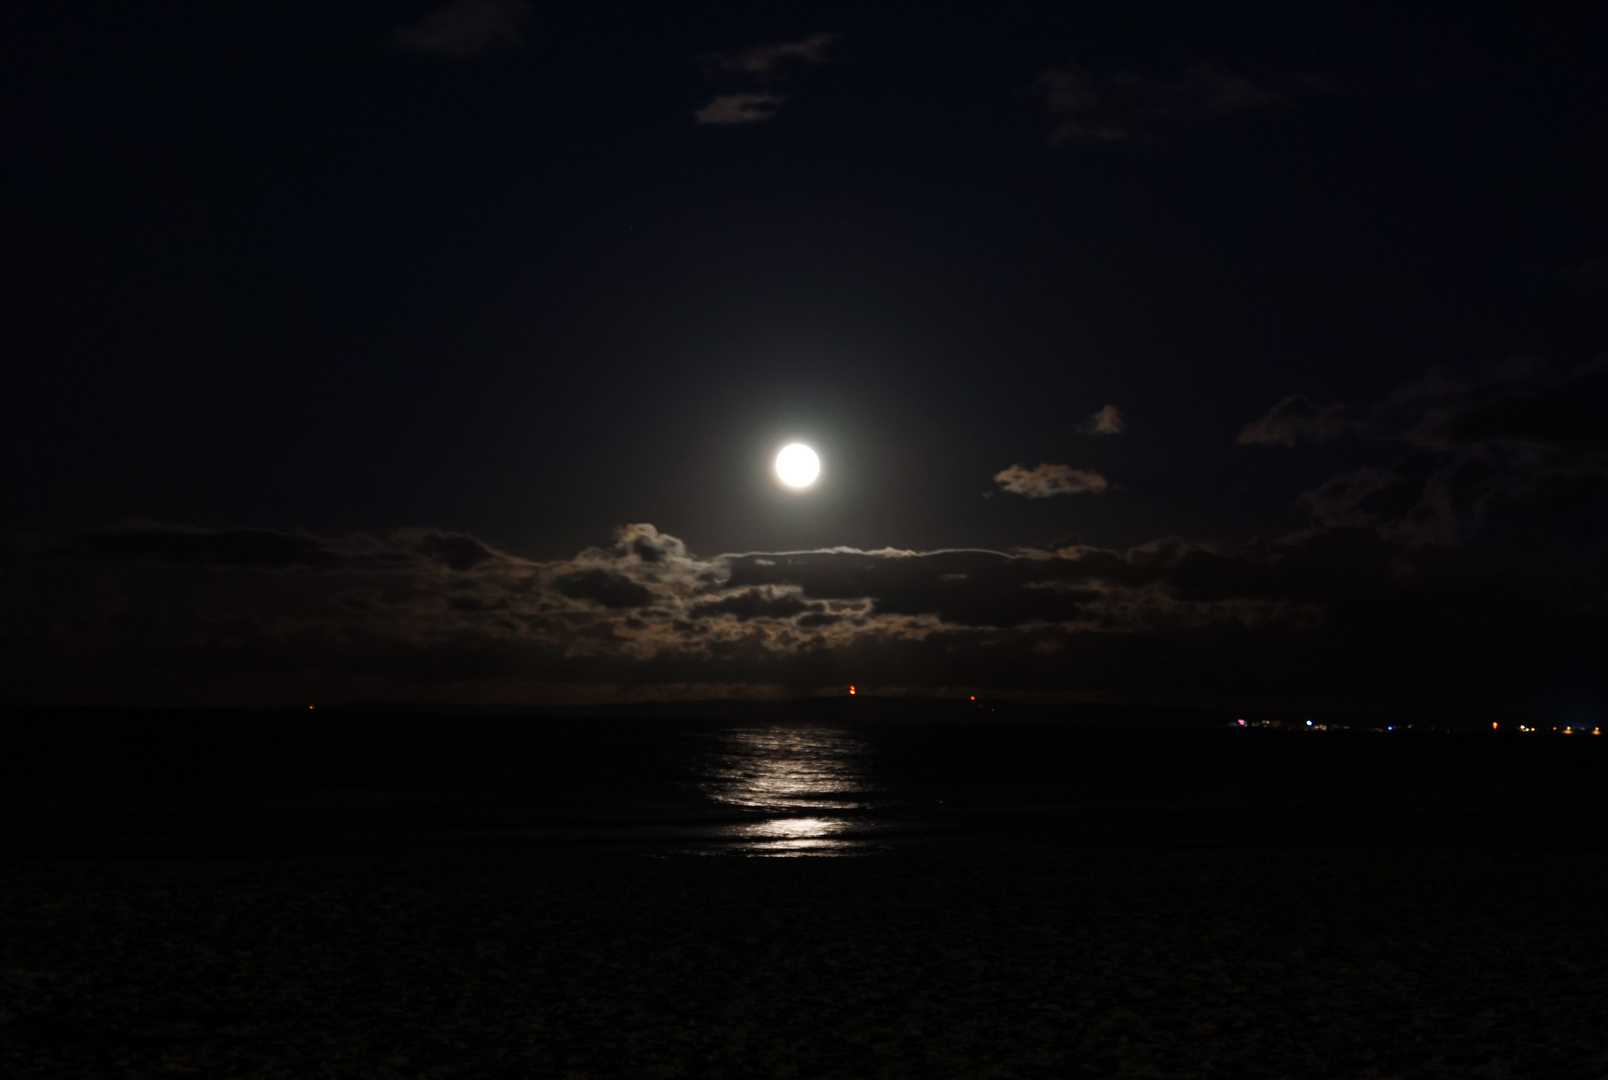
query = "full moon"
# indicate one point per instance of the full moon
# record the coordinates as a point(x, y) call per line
point(797, 466)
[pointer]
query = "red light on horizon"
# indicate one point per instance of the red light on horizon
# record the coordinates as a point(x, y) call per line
point(851, 691)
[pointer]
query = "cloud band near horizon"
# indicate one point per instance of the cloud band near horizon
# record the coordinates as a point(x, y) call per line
point(1470, 572)
point(163, 615)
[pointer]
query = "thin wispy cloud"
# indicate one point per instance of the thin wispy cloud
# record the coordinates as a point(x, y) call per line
point(1296, 419)
point(748, 77)
point(740, 108)
point(771, 61)
point(1114, 105)
point(467, 28)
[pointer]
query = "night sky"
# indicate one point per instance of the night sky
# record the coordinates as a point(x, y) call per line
point(1241, 356)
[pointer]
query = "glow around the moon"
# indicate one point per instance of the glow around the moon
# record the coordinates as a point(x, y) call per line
point(797, 466)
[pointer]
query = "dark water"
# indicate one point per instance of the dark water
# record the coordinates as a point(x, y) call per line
point(198, 783)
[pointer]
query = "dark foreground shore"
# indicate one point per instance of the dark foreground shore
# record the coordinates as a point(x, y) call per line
point(1161, 964)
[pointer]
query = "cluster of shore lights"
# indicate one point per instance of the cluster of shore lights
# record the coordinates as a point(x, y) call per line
point(1314, 725)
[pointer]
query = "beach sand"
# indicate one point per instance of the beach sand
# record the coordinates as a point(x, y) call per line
point(1104, 964)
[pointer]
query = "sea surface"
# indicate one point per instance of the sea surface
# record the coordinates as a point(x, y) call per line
point(76, 784)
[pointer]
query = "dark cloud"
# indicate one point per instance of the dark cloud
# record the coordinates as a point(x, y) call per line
point(1046, 480)
point(1506, 466)
point(646, 544)
point(757, 604)
point(1351, 499)
point(1588, 276)
point(459, 551)
point(1571, 412)
point(467, 28)
point(773, 60)
point(1506, 472)
point(611, 590)
point(1118, 106)
point(1107, 420)
point(1520, 400)
point(743, 107)
point(959, 588)
point(818, 619)
point(748, 77)
point(1295, 419)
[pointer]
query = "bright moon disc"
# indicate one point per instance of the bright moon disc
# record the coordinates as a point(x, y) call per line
point(797, 466)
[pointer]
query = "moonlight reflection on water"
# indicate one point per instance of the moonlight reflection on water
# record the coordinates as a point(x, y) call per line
point(806, 788)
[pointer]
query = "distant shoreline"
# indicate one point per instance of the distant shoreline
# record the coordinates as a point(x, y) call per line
point(874, 709)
